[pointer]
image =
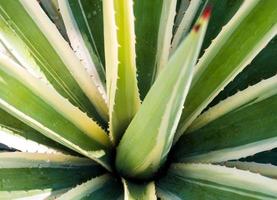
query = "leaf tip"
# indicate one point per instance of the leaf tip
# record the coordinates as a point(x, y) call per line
point(207, 12)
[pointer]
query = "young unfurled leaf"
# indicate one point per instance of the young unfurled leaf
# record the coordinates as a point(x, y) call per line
point(146, 142)
point(123, 95)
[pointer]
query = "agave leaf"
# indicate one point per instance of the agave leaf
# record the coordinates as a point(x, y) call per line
point(51, 53)
point(165, 34)
point(223, 11)
point(181, 7)
point(263, 169)
point(29, 174)
point(76, 19)
point(242, 125)
point(205, 181)
point(185, 23)
point(137, 156)
point(143, 191)
point(263, 157)
point(102, 187)
point(119, 34)
point(223, 60)
point(146, 44)
point(16, 130)
point(48, 112)
point(52, 9)
point(262, 67)
point(17, 142)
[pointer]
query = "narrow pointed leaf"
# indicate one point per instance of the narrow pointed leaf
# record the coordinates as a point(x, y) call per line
point(51, 53)
point(48, 112)
point(146, 43)
point(165, 34)
point(17, 142)
point(223, 11)
point(120, 54)
point(185, 24)
point(102, 187)
point(139, 157)
point(223, 60)
point(240, 126)
point(16, 128)
point(76, 19)
point(262, 67)
point(52, 9)
point(28, 175)
point(263, 157)
point(263, 169)
point(205, 181)
point(143, 191)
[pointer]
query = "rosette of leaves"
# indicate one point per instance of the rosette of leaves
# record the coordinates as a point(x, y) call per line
point(138, 99)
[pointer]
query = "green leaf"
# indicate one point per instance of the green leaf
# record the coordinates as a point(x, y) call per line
point(205, 181)
point(102, 187)
point(49, 113)
point(17, 129)
point(28, 174)
point(263, 169)
point(226, 57)
point(262, 67)
point(146, 41)
point(138, 157)
point(223, 11)
point(239, 126)
point(17, 142)
point(142, 191)
point(52, 9)
point(263, 157)
point(119, 34)
point(165, 34)
point(51, 54)
point(185, 24)
point(76, 20)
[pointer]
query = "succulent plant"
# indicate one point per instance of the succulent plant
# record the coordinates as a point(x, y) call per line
point(138, 99)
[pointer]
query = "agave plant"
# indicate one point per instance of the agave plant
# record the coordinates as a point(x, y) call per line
point(143, 99)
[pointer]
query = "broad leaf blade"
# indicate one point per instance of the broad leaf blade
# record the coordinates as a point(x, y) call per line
point(143, 191)
point(240, 126)
point(48, 112)
point(27, 175)
point(205, 181)
point(51, 53)
point(102, 187)
point(120, 65)
point(139, 157)
point(222, 61)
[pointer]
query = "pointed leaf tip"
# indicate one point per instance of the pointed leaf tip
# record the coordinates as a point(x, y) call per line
point(207, 12)
point(204, 18)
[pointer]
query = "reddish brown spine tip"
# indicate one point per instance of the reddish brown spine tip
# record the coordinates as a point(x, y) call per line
point(207, 12)
point(196, 27)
